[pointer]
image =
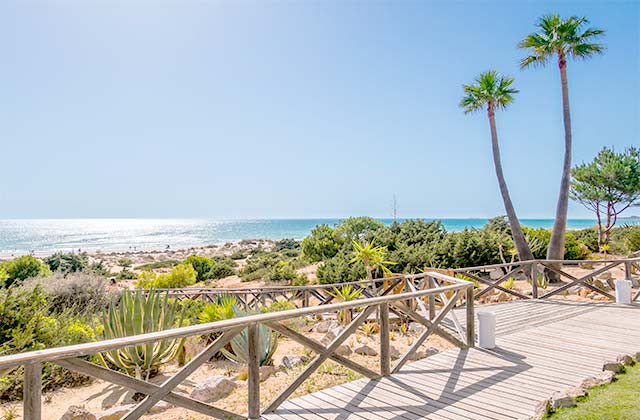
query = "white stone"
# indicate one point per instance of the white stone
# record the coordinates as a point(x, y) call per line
point(325, 326)
point(332, 334)
point(343, 350)
point(76, 412)
point(394, 353)
point(215, 388)
point(614, 367)
point(293, 360)
point(115, 413)
point(366, 350)
point(160, 407)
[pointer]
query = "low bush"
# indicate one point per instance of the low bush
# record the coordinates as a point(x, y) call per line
point(157, 265)
point(80, 293)
point(27, 324)
point(202, 265)
point(25, 267)
point(182, 275)
point(223, 268)
point(67, 262)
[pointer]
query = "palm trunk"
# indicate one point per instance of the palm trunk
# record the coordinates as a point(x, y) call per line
point(524, 253)
point(556, 244)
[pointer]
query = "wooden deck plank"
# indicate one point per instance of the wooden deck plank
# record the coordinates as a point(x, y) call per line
point(543, 347)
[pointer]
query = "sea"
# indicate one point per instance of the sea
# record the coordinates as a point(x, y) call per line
point(45, 236)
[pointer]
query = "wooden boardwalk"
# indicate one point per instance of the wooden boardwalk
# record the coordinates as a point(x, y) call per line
point(543, 347)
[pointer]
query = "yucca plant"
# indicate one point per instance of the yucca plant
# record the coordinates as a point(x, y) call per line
point(372, 257)
point(345, 293)
point(141, 312)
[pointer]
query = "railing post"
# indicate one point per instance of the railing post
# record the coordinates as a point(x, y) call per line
point(32, 391)
point(253, 370)
point(471, 334)
point(534, 280)
point(432, 299)
point(627, 270)
point(305, 299)
point(385, 355)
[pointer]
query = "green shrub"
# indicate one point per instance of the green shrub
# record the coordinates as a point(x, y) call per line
point(202, 265)
point(339, 270)
point(22, 268)
point(67, 262)
point(283, 271)
point(632, 238)
point(223, 268)
point(25, 325)
point(321, 244)
point(258, 266)
point(240, 254)
point(157, 265)
point(182, 275)
point(575, 250)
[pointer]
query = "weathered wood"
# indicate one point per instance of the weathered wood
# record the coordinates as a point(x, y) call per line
point(432, 299)
point(385, 358)
point(171, 383)
point(120, 379)
point(253, 368)
point(319, 359)
point(534, 280)
point(32, 391)
point(320, 349)
point(425, 334)
point(470, 327)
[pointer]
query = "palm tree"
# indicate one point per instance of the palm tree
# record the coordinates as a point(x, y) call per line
point(372, 257)
point(492, 91)
point(566, 39)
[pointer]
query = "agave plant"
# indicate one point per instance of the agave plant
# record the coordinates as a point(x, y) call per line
point(223, 309)
point(240, 344)
point(141, 312)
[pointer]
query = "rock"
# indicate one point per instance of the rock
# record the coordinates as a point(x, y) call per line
point(634, 282)
point(160, 407)
point(541, 410)
point(394, 353)
point(325, 326)
point(115, 413)
point(292, 361)
point(331, 335)
point(503, 297)
point(600, 284)
point(415, 328)
point(561, 400)
point(495, 274)
point(625, 359)
point(215, 388)
point(576, 392)
point(584, 293)
point(637, 356)
point(366, 350)
point(266, 372)
point(614, 367)
point(605, 276)
point(76, 412)
point(343, 350)
point(603, 378)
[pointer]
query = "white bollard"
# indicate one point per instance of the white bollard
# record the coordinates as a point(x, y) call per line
point(623, 291)
point(486, 330)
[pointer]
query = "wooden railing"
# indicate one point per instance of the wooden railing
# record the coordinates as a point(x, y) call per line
point(536, 272)
point(547, 277)
point(431, 300)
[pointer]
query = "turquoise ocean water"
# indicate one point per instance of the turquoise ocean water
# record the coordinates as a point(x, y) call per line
point(45, 236)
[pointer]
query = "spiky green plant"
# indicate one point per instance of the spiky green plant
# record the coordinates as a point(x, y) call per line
point(141, 312)
point(223, 309)
point(372, 257)
point(239, 351)
point(345, 293)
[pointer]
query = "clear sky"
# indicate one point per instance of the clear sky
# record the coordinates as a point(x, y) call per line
point(260, 109)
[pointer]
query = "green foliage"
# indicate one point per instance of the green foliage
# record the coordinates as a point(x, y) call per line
point(67, 262)
point(632, 237)
point(339, 270)
point(357, 229)
point(22, 268)
point(346, 293)
point(202, 265)
point(157, 265)
point(573, 249)
point(140, 313)
point(489, 89)
point(26, 324)
point(282, 272)
point(607, 186)
point(372, 257)
point(321, 244)
point(288, 247)
point(223, 309)
point(223, 268)
point(182, 275)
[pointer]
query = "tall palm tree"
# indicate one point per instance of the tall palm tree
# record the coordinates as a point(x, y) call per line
point(494, 92)
point(565, 39)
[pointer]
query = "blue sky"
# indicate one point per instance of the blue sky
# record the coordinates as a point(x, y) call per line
point(245, 109)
